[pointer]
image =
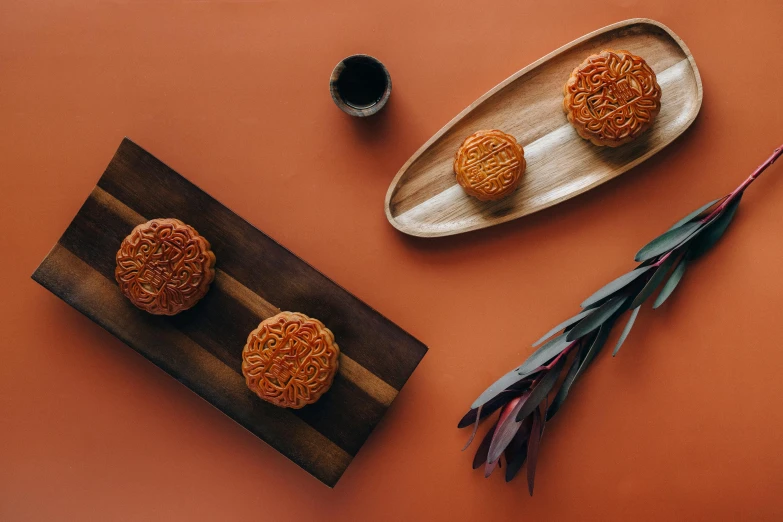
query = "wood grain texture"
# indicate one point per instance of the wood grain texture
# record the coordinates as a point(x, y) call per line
point(255, 279)
point(424, 198)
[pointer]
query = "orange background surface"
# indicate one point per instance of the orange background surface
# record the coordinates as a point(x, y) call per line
point(685, 424)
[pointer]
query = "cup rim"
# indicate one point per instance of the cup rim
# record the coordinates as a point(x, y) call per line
point(353, 111)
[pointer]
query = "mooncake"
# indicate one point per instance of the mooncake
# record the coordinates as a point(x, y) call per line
point(489, 164)
point(290, 360)
point(612, 98)
point(164, 266)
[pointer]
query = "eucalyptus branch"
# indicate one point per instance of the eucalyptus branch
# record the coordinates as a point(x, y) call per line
point(522, 395)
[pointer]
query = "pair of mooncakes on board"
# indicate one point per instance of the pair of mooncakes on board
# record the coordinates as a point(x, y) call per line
point(165, 267)
point(611, 99)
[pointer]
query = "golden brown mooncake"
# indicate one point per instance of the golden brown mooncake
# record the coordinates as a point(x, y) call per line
point(612, 98)
point(164, 266)
point(489, 164)
point(290, 360)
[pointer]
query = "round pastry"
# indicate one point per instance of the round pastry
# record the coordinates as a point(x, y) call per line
point(164, 266)
point(489, 164)
point(612, 98)
point(290, 360)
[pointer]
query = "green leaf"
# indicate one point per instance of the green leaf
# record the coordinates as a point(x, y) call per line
point(596, 319)
point(618, 284)
point(562, 393)
point(695, 213)
point(546, 352)
point(539, 393)
point(500, 400)
point(598, 342)
point(497, 387)
point(626, 330)
point(533, 445)
point(564, 324)
point(714, 230)
point(667, 241)
point(671, 284)
point(655, 280)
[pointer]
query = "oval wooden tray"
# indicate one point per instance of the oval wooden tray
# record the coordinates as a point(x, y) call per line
point(424, 198)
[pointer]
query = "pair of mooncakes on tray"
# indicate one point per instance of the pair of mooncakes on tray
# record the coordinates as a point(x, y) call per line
point(165, 267)
point(611, 99)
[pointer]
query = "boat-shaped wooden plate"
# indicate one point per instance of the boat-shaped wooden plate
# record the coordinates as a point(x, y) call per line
point(424, 198)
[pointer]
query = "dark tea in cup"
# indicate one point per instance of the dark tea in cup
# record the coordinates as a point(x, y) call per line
point(360, 85)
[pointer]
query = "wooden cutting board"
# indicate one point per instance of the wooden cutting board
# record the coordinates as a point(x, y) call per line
point(256, 278)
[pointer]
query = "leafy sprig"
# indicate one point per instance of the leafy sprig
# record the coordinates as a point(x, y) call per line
point(522, 395)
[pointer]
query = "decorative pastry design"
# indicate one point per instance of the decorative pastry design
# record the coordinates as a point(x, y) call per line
point(164, 266)
point(290, 360)
point(489, 164)
point(612, 98)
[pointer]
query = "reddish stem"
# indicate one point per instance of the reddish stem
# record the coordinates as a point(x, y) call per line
point(745, 184)
point(662, 259)
point(552, 364)
point(775, 155)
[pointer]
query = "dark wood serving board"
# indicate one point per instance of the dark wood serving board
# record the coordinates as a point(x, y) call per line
point(256, 278)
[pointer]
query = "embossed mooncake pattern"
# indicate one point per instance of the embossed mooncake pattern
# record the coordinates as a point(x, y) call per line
point(612, 98)
point(489, 164)
point(290, 360)
point(164, 266)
